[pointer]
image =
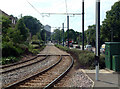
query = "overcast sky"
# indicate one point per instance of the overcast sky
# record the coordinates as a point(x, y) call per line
point(17, 7)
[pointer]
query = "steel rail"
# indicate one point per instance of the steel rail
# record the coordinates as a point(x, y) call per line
point(61, 76)
point(25, 79)
point(24, 65)
point(5, 66)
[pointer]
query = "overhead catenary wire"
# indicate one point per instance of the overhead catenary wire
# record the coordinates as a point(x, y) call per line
point(47, 14)
point(33, 7)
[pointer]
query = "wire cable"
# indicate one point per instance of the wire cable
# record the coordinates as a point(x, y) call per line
point(33, 7)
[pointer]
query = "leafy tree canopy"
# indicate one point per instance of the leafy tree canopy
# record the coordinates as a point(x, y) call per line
point(23, 30)
point(33, 24)
point(90, 35)
point(111, 25)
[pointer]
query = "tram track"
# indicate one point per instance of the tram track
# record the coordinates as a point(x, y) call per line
point(23, 64)
point(47, 77)
point(17, 75)
point(17, 63)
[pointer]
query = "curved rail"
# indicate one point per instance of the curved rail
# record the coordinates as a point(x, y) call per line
point(24, 65)
point(5, 66)
point(61, 76)
point(43, 71)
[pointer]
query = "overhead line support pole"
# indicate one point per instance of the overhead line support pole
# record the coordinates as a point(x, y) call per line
point(68, 29)
point(83, 25)
point(63, 33)
point(97, 37)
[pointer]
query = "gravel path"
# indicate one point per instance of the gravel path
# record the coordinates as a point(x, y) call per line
point(27, 71)
point(75, 79)
point(52, 50)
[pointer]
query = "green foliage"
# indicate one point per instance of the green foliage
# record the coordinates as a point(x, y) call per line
point(33, 24)
point(15, 41)
point(5, 23)
point(63, 48)
point(8, 49)
point(84, 59)
point(43, 37)
point(13, 35)
point(11, 38)
point(57, 35)
point(111, 25)
point(90, 35)
point(71, 34)
point(34, 51)
point(8, 60)
point(35, 38)
point(23, 30)
point(74, 36)
point(39, 36)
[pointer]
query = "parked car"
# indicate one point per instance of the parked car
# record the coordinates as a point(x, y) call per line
point(70, 43)
point(77, 46)
point(88, 47)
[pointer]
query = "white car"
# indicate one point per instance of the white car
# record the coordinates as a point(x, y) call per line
point(88, 47)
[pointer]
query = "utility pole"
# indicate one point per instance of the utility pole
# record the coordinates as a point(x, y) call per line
point(63, 32)
point(68, 29)
point(59, 34)
point(97, 37)
point(82, 24)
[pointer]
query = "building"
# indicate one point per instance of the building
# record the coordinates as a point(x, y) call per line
point(47, 28)
point(11, 17)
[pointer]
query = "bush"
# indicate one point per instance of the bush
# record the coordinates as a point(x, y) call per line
point(34, 51)
point(8, 60)
point(9, 50)
point(84, 59)
point(63, 48)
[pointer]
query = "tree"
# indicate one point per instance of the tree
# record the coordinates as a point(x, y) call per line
point(43, 35)
point(5, 24)
point(10, 38)
point(24, 32)
point(110, 30)
point(90, 35)
point(74, 36)
point(39, 35)
point(57, 35)
point(33, 24)
point(13, 35)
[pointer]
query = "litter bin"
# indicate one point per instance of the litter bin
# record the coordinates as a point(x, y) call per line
point(111, 48)
point(116, 63)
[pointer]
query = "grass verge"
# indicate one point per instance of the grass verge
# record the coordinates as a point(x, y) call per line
point(84, 59)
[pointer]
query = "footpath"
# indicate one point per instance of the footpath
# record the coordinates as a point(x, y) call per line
point(107, 79)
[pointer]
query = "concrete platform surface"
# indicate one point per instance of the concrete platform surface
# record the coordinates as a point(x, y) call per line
point(107, 79)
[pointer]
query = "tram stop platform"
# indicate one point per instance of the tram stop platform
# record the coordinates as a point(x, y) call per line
point(107, 79)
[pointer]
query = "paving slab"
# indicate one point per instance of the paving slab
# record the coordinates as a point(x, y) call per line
point(107, 79)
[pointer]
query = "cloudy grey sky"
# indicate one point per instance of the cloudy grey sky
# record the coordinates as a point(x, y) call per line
point(17, 7)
